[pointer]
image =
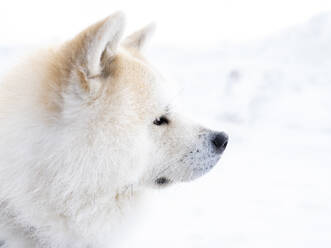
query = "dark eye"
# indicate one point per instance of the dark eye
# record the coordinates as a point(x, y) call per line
point(161, 121)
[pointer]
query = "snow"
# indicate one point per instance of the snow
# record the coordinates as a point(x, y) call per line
point(272, 186)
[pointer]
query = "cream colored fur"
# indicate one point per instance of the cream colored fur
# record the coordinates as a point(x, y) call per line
point(78, 144)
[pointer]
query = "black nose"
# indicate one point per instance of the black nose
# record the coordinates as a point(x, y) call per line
point(220, 141)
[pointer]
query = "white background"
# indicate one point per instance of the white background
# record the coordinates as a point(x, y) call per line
point(180, 22)
point(260, 70)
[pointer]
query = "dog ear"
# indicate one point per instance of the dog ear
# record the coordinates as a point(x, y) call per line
point(88, 53)
point(138, 39)
point(100, 40)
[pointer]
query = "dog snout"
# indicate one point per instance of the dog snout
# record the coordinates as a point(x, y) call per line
point(220, 141)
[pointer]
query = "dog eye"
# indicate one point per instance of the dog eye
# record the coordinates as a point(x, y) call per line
point(161, 121)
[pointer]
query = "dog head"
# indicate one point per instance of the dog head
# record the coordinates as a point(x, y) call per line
point(116, 106)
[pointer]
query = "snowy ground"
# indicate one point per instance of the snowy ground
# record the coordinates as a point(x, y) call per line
point(272, 187)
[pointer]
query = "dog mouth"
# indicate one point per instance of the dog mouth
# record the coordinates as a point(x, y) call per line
point(195, 163)
point(162, 181)
point(190, 171)
point(200, 171)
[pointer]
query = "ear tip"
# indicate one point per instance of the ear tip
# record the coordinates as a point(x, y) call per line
point(117, 17)
point(118, 14)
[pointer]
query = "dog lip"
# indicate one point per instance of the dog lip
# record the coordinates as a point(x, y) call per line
point(162, 181)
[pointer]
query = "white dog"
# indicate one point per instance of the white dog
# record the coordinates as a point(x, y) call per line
point(84, 128)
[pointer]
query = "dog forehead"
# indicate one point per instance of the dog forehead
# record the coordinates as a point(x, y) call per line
point(132, 76)
point(130, 68)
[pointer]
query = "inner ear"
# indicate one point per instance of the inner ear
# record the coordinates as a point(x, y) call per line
point(91, 51)
point(90, 48)
point(101, 41)
point(106, 62)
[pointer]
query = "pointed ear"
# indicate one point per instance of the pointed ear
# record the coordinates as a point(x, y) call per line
point(138, 39)
point(96, 43)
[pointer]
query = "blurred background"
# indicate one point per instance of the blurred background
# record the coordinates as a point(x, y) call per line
point(259, 70)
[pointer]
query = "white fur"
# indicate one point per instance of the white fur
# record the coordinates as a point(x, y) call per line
point(108, 37)
point(70, 174)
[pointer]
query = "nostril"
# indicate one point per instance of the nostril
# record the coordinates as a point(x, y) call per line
point(220, 141)
point(216, 143)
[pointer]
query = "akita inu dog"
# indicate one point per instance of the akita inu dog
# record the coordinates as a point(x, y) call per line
point(84, 128)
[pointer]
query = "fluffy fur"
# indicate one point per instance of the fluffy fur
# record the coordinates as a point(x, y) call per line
point(79, 140)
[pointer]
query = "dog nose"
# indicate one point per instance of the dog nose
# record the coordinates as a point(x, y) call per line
point(220, 141)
